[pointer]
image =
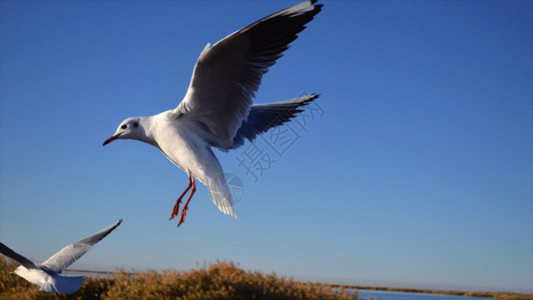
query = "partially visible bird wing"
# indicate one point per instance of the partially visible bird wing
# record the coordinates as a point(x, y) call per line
point(17, 257)
point(228, 74)
point(262, 117)
point(69, 254)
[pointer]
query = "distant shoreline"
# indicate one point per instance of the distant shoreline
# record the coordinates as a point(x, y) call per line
point(493, 295)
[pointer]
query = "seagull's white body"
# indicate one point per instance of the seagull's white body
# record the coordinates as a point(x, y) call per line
point(48, 274)
point(51, 282)
point(217, 110)
point(182, 143)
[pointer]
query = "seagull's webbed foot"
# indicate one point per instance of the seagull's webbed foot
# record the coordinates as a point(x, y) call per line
point(186, 206)
point(176, 208)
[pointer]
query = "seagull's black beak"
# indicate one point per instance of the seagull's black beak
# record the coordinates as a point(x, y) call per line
point(109, 140)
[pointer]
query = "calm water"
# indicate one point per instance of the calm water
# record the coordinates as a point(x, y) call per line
point(365, 294)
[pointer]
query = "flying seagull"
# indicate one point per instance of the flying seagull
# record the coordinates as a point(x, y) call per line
point(48, 274)
point(217, 110)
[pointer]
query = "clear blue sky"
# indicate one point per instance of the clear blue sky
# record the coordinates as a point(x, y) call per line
point(417, 174)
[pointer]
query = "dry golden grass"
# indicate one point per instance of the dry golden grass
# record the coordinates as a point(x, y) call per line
point(221, 280)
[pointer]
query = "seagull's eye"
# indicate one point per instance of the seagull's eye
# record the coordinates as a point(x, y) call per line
point(136, 124)
point(124, 126)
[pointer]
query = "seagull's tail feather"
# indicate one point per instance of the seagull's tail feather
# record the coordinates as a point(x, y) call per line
point(263, 117)
point(63, 284)
point(218, 187)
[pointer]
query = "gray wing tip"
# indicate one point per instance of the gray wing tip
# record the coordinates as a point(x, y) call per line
point(8, 252)
point(317, 7)
point(95, 238)
point(114, 226)
point(305, 100)
point(312, 97)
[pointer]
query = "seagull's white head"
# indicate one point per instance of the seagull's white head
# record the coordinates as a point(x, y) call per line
point(21, 271)
point(131, 128)
point(34, 276)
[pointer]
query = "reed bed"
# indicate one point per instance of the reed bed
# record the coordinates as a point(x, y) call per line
point(221, 280)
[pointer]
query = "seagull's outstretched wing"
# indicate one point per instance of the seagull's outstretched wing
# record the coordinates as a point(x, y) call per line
point(263, 117)
point(69, 254)
point(17, 257)
point(228, 74)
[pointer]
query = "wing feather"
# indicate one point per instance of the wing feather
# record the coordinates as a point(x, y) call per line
point(69, 254)
point(17, 257)
point(228, 74)
point(263, 117)
point(218, 187)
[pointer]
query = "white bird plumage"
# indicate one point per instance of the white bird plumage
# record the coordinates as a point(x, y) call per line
point(48, 274)
point(217, 110)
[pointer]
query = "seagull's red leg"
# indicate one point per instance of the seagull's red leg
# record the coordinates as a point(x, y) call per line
point(185, 207)
point(176, 208)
